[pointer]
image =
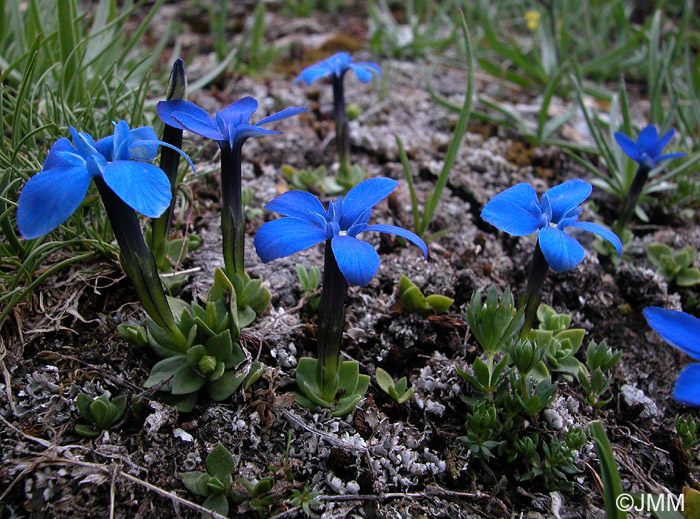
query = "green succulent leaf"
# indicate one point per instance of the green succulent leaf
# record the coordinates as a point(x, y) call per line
point(165, 369)
point(101, 412)
point(220, 346)
point(401, 385)
point(195, 354)
point(83, 403)
point(688, 277)
point(187, 380)
point(405, 397)
point(224, 387)
point(87, 431)
point(256, 370)
point(439, 303)
point(217, 503)
point(220, 463)
point(384, 380)
point(196, 482)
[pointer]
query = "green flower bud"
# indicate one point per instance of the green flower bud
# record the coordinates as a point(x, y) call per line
point(207, 364)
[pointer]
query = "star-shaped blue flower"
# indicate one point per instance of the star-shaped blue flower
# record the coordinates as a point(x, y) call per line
point(337, 65)
point(121, 160)
point(309, 223)
point(648, 148)
point(230, 125)
point(518, 212)
point(681, 331)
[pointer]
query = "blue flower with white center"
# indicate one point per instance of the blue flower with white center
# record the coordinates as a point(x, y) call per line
point(120, 160)
point(518, 212)
point(337, 65)
point(682, 331)
point(231, 125)
point(648, 148)
point(307, 223)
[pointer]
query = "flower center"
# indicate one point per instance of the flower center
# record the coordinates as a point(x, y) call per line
point(342, 233)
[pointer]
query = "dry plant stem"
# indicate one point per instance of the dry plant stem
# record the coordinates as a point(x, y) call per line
point(138, 261)
point(331, 321)
point(530, 299)
point(640, 178)
point(342, 136)
point(232, 217)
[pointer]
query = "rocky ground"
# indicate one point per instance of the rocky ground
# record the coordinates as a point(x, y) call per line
point(384, 460)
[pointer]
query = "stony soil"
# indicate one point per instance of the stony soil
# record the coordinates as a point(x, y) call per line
point(402, 461)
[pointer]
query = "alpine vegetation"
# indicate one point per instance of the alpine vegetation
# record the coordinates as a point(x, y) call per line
point(328, 381)
point(518, 212)
point(230, 127)
point(335, 67)
point(682, 331)
point(647, 152)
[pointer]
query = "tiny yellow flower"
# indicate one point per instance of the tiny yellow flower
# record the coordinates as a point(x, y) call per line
point(532, 19)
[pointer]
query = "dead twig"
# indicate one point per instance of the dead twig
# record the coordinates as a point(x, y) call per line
point(326, 436)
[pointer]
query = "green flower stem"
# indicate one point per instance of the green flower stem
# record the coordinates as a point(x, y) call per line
point(169, 162)
point(640, 178)
point(530, 299)
point(232, 217)
point(138, 261)
point(342, 135)
point(331, 321)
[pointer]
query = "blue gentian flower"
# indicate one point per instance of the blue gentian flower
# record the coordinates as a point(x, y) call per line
point(230, 125)
point(681, 331)
point(518, 212)
point(337, 65)
point(121, 160)
point(648, 148)
point(309, 223)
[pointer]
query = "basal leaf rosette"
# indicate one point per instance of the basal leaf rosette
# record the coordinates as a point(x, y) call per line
point(212, 360)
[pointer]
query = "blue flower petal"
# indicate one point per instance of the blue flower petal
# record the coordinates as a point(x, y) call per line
point(648, 139)
point(687, 388)
point(363, 196)
point(601, 231)
point(515, 211)
point(561, 251)
point(363, 73)
point(628, 146)
point(142, 186)
point(63, 155)
point(206, 128)
point(398, 231)
point(299, 204)
point(679, 329)
point(166, 109)
point(121, 141)
point(313, 72)
point(284, 114)
point(50, 197)
point(245, 131)
point(83, 142)
point(286, 236)
point(144, 151)
point(373, 67)
point(357, 260)
point(565, 197)
point(663, 141)
point(240, 111)
point(670, 156)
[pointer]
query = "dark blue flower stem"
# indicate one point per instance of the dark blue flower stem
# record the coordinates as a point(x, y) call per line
point(331, 322)
point(640, 178)
point(138, 261)
point(232, 217)
point(169, 162)
point(342, 136)
point(530, 299)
